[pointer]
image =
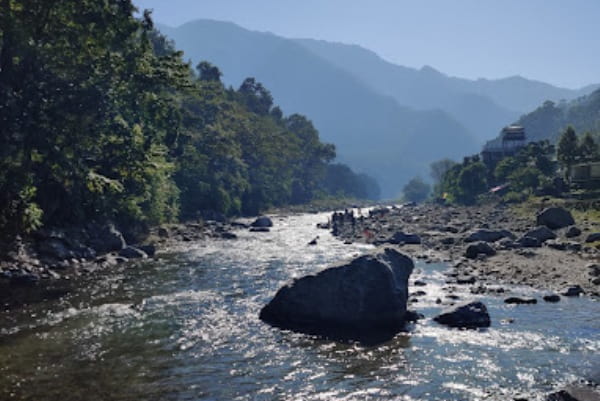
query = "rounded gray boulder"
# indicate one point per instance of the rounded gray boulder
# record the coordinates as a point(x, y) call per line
point(363, 300)
point(468, 316)
point(555, 217)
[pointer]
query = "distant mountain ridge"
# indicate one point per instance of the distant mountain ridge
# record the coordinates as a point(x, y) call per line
point(386, 120)
point(548, 121)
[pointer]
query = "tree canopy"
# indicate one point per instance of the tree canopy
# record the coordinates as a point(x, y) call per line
point(101, 119)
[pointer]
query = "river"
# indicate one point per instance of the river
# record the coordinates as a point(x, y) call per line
point(186, 327)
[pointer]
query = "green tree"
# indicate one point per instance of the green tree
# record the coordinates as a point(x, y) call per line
point(471, 182)
point(439, 168)
point(567, 149)
point(416, 190)
point(588, 148)
point(504, 168)
point(208, 72)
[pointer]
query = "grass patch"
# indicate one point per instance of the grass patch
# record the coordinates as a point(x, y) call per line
point(581, 209)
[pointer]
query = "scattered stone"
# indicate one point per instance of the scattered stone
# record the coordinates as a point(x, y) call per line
point(469, 316)
point(573, 291)
point(555, 217)
point(262, 222)
point(418, 294)
point(520, 301)
point(131, 252)
point(403, 238)
point(228, 235)
point(259, 229)
point(314, 241)
point(529, 242)
point(362, 300)
point(561, 395)
point(572, 232)
point(593, 237)
point(474, 250)
point(489, 235)
point(150, 249)
point(541, 233)
point(107, 239)
point(447, 241)
point(594, 269)
point(163, 232)
point(466, 280)
point(553, 298)
point(324, 226)
point(419, 283)
point(55, 248)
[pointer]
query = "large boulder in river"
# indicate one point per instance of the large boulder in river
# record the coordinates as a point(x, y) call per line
point(468, 316)
point(363, 300)
point(489, 235)
point(555, 217)
point(262, 222)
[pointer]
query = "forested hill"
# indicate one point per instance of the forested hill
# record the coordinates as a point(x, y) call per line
point(100, 119)
point(483, 106)
point(550, 119)
point(372, 132)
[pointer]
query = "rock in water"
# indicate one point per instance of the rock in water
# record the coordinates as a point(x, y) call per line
point(555, 217)
point(469, 316)
point(363, 300)
point(520, 301)
point(262, 221)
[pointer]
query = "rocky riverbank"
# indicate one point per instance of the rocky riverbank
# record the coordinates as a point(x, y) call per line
point(42, 264)
point(487, 245)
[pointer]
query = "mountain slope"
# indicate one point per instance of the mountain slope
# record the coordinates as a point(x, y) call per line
point(371, 131)
point(549, 120)
point(483, 106)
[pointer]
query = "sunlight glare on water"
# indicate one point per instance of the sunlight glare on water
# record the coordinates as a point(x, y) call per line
point(186, 327)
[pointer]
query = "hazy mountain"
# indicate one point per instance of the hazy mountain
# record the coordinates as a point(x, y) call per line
point(483, 106)
point(371, 131)
point(387, 120)
point(549, 120)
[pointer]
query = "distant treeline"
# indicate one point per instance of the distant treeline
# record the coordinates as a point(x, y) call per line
point(100, 118)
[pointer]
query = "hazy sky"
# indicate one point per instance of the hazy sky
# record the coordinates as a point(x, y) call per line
point(556, 41)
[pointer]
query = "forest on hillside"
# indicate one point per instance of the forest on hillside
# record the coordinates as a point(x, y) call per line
point(101, 119)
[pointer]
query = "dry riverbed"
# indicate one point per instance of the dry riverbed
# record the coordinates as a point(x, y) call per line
point(570, 260)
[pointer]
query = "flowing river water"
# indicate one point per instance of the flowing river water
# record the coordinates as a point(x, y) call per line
point(186, 327)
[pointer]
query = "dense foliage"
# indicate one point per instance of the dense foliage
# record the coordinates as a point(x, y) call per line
point(416, 190)
point(101, 119)
point(535, 168)
point(549, 121)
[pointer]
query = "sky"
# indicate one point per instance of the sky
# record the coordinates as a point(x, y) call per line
point(554, 41)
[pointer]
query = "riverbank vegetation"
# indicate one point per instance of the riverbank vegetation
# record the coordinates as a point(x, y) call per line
point(537, 169)
point(101, 119)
